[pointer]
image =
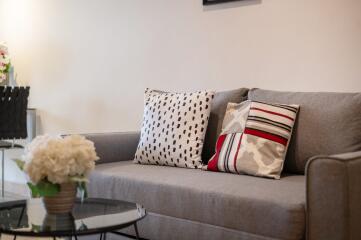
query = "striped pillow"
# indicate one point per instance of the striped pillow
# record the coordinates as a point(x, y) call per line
point(254, 139)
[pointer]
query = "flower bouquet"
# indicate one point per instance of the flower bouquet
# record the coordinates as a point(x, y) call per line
point(57, 167)
point(4, 62)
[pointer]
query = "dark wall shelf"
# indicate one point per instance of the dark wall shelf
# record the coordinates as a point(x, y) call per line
point(211, 2)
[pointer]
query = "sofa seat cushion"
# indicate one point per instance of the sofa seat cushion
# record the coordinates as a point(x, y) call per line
point(255, 205)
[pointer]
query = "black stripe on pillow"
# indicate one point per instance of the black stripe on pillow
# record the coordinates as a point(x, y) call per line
point(287, 107)
point(270, 122)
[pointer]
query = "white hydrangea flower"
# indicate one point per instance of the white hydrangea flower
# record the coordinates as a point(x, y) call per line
point(3, 48)
point(4, 61)
point(57, 159)
point(2, 77)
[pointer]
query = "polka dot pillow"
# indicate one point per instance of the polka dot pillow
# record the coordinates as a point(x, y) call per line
point(173, 129)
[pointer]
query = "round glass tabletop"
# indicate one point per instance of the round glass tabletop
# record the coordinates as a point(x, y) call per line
point(29, 218)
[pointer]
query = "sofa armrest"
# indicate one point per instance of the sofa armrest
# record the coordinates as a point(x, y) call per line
point(333, 197)
point(113, 147)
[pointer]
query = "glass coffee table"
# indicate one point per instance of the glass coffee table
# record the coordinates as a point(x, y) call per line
point(93, 216)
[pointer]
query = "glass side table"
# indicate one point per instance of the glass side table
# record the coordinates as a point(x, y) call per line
point(93, 216)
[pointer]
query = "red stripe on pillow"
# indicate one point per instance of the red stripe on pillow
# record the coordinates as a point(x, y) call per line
point(266, 135)
point(274, 113)
point(213, 163)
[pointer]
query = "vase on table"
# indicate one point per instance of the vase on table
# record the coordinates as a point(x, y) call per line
point(62, 202)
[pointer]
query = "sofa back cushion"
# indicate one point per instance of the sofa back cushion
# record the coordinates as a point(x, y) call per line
point(328, 123)
point(218, 110)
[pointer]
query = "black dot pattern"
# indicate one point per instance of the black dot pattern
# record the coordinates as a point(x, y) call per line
point(173, 128)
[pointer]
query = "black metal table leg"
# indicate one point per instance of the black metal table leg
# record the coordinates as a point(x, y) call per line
point(14, 237)
point(21, 216)
point(136, 231)
point(103, 236)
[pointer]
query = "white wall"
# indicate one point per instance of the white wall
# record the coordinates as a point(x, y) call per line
point(88, 61)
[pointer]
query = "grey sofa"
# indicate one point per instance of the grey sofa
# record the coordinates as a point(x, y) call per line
point(318, 196)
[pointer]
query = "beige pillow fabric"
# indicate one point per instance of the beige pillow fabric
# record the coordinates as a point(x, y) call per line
point(254, 139)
